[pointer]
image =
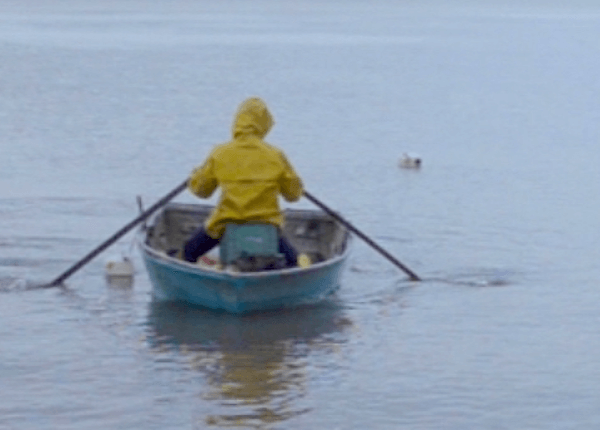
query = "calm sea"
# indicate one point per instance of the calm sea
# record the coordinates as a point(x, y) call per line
point(103, 101)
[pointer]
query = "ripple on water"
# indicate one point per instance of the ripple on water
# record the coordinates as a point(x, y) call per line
point(481, 278)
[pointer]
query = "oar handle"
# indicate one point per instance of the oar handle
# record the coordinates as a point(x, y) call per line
point(369, 241)
point(60, 279)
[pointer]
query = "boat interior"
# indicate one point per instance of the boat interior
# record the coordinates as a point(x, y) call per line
point(311, 232)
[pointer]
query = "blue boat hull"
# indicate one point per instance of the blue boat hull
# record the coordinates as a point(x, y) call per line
point(239, 293)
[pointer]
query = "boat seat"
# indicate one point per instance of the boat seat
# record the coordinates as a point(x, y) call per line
point(251, 247)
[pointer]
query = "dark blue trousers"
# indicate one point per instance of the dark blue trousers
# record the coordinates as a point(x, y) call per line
point(200, 243)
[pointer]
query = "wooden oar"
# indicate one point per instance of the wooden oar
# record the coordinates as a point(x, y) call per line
point(410, 273)
point(60, 279)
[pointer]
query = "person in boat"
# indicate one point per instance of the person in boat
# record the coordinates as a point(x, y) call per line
point(252, 174)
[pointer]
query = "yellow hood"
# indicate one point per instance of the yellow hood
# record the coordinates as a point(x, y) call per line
point(252, 117)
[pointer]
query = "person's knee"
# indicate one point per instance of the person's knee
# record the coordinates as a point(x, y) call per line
point(188, 253)
point(286, 248)
point(198, 245)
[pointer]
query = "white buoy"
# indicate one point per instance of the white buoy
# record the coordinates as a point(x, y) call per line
point(120, 272)
point(410, 161)
point(123, 267)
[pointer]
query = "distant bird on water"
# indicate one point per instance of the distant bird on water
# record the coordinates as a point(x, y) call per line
point(410, 161)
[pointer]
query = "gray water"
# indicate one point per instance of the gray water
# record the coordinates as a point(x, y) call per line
point(102, 101)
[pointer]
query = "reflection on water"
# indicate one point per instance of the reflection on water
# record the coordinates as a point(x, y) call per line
point(255, 365)
point(120, 282)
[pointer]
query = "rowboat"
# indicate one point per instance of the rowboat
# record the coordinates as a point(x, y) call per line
point(235, 289)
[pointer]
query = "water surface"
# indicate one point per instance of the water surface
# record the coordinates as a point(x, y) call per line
point(105, 101)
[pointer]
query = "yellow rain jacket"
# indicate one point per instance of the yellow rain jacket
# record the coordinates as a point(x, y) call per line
point(251, 173)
